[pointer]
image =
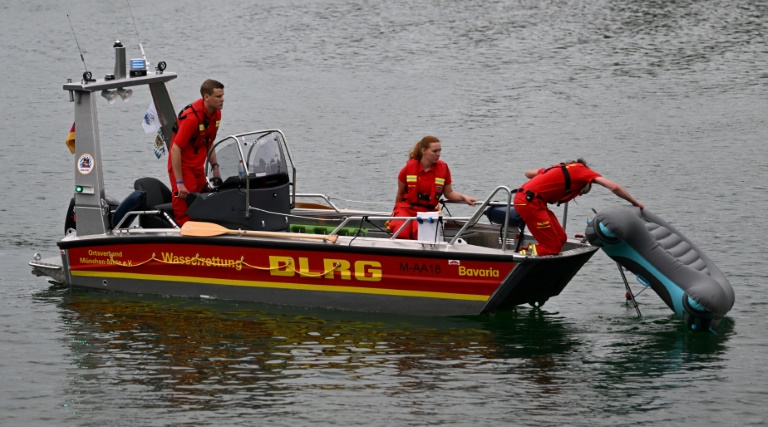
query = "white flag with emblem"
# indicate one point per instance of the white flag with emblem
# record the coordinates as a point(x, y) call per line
point(159, 144)
point(150, 123)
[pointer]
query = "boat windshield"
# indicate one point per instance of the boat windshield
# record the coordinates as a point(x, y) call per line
point(265, 156)
point(262, 153)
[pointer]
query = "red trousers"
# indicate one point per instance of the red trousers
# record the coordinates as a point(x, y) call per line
point(195, 184)
point(412, 230)
point(542, 223)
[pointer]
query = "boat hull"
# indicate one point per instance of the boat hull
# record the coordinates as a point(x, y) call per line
point(399, 277)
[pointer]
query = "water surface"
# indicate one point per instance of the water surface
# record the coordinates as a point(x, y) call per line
point(666, 98)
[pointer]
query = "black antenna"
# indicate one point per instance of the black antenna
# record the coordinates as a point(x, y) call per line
point(78, 44)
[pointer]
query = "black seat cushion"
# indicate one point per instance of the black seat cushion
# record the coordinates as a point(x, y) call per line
point(158, 197)
point(157, 192)
point(134, 202)
point(496, 215)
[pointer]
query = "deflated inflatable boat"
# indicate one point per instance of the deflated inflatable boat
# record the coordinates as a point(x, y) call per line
point(662, 258)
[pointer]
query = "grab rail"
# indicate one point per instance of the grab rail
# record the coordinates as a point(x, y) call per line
point(130, 216)
point(325, 197)
point(347, 219)
point(481, 210)
point(469, 221)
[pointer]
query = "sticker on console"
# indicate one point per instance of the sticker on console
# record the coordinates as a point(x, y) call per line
point(85, 164)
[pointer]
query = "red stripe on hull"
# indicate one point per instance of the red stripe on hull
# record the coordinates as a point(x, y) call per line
point(366, 272)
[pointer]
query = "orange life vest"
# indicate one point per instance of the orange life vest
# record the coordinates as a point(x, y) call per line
point(425, 200)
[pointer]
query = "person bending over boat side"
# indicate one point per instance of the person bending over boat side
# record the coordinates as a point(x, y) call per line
point(558, 184)
point(421, 183)
point(193, 136)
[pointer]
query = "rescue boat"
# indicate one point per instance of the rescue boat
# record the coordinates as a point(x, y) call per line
point(663, 258)
point(255, 237)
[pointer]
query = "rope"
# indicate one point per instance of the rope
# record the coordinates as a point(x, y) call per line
point(294, 216)
point(288, 265)
point(360, 201)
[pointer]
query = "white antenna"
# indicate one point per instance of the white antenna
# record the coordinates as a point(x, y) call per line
point(143, 55)
point(76, 42)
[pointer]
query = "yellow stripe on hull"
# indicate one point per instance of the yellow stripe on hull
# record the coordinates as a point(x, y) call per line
point(276, 285)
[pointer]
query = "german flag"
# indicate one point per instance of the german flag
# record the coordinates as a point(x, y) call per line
point(71, 140)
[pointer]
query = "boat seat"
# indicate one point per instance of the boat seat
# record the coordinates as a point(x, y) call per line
point(135, 201)
point(158, 197)
point(497, 213)
point(70, 221)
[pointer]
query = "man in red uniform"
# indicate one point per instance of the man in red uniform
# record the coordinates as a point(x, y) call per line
point(559, 184)
point(196, 132)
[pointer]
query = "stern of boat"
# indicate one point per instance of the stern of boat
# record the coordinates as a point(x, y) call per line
point(52, 267)
point(536, 279)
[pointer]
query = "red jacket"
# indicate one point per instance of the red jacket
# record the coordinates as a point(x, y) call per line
point(195, 136)
point(550, 183)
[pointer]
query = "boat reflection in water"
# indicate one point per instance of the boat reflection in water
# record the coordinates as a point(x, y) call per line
point(174, 355)
point(205, 354)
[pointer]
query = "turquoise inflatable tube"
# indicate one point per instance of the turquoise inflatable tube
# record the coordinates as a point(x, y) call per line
point(662, 258)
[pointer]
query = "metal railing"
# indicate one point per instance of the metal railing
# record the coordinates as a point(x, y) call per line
point(346, 220)
point(470, 221)
point(481, 210)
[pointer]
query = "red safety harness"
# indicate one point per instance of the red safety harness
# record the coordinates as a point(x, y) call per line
point(567, 196)
point(202, 127)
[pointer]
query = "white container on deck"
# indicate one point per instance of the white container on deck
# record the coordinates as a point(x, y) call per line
point(430, 227)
